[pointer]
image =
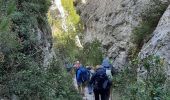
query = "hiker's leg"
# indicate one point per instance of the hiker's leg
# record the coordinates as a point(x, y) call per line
point(83, 87)
point(90, 89)
point(96, 95)
point(79, 87)
point(111, 91)
point(103, 95)
point(107, 94)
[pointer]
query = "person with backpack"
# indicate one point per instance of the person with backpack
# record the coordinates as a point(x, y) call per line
point(82, 77)
point(110, 71)
point(101, 83)
point(91, 71)
point(68, 66)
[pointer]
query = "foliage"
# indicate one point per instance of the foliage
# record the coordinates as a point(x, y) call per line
point(64, 40)
point(21, 67)
point(66, 90)
point(35, 83)
point(69, 8)
point(155, 79)
point(151, 86)
point(150, 19)
point(91, 53)
point(126, 79)
point(148, 86)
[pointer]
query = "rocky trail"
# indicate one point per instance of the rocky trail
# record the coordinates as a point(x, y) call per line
point(87, 95)
point(115, 95)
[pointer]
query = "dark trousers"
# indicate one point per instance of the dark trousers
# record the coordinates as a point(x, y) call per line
point(107, 94)
point(101, 93)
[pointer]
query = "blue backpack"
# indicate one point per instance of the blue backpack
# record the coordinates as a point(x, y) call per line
point(85, 74)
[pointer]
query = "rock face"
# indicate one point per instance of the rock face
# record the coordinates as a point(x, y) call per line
point(111, 22)
point(159, 43)
point(48, 52)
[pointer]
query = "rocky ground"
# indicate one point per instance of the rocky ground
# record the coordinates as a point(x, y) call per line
point(115, 95)
point(87, 95)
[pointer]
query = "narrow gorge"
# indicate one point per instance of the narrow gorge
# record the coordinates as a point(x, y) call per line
point(38, 37)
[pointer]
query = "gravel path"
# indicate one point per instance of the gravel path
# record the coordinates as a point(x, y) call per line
point(87, 95)
point(115, 95)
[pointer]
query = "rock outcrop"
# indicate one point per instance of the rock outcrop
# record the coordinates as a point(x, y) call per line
point(159, 43)
point(48, 52)
point(112, 22)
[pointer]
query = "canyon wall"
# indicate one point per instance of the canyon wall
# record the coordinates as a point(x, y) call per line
point(112, 22)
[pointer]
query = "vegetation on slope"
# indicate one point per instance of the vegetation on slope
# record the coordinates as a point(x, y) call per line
point(65, 43)
point(147, 85)
point(91, 54)
point(151, 82)
point(21, 66)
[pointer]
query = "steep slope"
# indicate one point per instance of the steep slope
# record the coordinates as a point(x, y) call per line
point(112, 22)
point(25, 46)
point(159, 43)
point(27, 68)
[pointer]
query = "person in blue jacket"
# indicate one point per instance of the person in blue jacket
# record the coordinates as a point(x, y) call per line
point(82, 77)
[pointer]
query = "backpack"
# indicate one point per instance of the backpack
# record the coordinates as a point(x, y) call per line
point(109, 74)
point(102, 81)
point(109, 71)
point(84, 74)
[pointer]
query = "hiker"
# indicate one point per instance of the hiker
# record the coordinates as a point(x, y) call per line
point(68, 66)
point(90, 86)
point(110, 71)
point(101, 83)
point(77, 64)
point(82, 77)
point(109, 67)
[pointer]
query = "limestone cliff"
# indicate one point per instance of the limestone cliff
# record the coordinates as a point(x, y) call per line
point(159, 43)
point(112, 22)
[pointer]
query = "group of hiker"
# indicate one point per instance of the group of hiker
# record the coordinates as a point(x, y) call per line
point(98, 79)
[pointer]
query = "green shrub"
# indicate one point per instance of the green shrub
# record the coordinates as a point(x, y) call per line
point(36, 83)
point(73, 17)
point(151, 86)
point(21, 67)
point(124, 82)
point(91, 53)
point(155, 78)
point(64, 41)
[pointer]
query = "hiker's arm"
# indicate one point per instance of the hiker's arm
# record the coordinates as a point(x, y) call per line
point(78, 75)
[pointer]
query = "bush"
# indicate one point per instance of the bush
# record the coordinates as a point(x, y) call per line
point(37, 83)
point(21, 67)
point(151, 86)
point(64, 40)
point(91, 53)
